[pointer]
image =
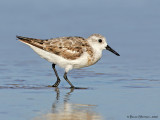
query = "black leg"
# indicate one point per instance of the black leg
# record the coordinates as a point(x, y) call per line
point(58, 80)
point(65, 77)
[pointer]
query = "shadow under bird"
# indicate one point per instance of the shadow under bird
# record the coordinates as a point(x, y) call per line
point(69, 52)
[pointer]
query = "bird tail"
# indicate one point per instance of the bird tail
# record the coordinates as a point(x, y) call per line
point(31, 41)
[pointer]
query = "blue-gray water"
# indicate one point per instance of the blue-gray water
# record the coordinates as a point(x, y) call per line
point(118, 87)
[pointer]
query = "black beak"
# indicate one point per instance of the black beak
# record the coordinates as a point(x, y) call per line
point(111, 50)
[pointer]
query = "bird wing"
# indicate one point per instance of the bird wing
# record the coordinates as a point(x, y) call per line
point(32, 41)
point(66, 47)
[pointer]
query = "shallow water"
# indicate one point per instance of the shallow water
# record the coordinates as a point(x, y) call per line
point(116, 88)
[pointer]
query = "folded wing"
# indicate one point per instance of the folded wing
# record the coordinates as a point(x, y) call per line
point(66, 47)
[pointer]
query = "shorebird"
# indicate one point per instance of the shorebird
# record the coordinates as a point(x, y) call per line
point(69, 52)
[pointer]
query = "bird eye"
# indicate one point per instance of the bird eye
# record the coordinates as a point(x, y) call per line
point(100, 40)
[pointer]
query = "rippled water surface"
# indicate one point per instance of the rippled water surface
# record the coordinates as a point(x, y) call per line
point(116, 88)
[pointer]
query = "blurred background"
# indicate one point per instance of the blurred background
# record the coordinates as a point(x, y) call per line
point(117, 87)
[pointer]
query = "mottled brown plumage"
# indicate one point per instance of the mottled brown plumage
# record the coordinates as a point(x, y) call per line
point(66, 47)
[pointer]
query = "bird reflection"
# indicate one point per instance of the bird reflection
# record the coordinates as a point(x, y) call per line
point(69, 111)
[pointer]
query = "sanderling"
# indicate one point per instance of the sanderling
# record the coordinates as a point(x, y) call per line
point(69, 52)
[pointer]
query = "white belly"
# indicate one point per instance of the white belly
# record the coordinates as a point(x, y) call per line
point(62, 62)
